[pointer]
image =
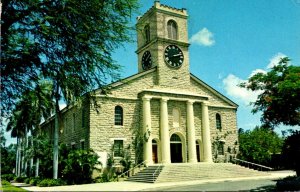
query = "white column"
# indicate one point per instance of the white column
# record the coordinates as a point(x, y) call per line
point(206, 134)
point(147, 130)
point(191, 133)
point(164, 131)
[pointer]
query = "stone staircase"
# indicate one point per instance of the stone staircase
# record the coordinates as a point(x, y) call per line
point(196, 171)
point(147, 175)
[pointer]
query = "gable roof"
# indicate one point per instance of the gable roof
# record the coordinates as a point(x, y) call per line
point(129, 79)
point(217, 93)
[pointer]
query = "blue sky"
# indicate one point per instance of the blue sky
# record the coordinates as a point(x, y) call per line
point(230, 40)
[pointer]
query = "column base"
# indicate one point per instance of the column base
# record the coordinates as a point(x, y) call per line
point(148, 163)
point(166, 162)
point(193, 161)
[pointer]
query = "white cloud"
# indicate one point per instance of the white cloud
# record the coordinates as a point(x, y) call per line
point(203, 37)
point(275, 59)
point(231, 83)
point(257, 71)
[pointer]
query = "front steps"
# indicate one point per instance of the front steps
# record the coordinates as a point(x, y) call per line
point(193, 171)
point(147, 175)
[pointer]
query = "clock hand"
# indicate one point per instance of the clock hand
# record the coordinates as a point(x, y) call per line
point(179, 54)
point(147, 57)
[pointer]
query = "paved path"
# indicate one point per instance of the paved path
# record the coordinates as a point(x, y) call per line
point(135, 186)
point(244, 185)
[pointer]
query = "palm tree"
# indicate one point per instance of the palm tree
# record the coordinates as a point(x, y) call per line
point(18, 130)
point(33, 106)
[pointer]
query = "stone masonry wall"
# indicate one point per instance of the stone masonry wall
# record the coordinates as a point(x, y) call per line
point(228, 133)
point(102, 128)
point(74, 127)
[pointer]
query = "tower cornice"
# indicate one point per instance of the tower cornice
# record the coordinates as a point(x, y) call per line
point(162, 40)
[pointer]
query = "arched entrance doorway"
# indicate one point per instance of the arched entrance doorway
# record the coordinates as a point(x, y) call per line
point(154, 151)
point(176, 149)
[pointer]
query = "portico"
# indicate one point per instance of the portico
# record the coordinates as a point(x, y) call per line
point(164, 127)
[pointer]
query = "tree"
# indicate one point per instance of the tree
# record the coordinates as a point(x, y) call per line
point(8, 159)
point(7, 155)
point(67, 42)
point(291, 151)
point(258, 145)
point(79, 166)
point(33, 106)
point(280, 97)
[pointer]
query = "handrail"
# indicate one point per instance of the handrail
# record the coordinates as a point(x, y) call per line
point(258, 165)
point(131, 169)
point(158, 168)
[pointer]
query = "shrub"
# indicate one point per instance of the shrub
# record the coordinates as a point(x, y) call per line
point(108, 175)
point(288, 184)
point(4, 182)
point(26, 180)
point(20, 179)
point(8, 177)
point(51, 182)
point(79, 166)
point(34, 181)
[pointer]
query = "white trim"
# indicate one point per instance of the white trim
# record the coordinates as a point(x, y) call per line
point(82, 140)
point(116, 97)
point(222, 106)
point(170, 91)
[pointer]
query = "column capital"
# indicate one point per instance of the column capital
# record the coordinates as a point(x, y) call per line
point(205, 103)
point(164, 99)
point(146, 98)
point(190, 102)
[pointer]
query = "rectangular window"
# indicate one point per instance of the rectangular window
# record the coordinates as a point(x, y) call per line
point(221, 148)
point(118, 148)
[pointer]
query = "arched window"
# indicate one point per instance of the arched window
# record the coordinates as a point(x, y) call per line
point(218, 121)
point(147, 33)
point(118, 115)
point(172, 29)
point(175, 138)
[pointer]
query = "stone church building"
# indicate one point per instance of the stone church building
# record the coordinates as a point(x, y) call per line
point(162, 114)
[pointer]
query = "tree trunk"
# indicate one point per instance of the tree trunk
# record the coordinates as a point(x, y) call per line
point(31, 160)
point(22, 157)
point(37, 167)
point(55, 141)
point(17, 158)
point(24, 151)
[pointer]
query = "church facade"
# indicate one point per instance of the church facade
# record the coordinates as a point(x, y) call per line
point(162, 114)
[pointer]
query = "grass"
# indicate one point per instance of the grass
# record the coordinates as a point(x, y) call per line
point(6, 186)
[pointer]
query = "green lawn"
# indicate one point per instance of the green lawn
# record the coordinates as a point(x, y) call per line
point(6, 186)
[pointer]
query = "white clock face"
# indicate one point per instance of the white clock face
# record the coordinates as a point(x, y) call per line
point(173, 56)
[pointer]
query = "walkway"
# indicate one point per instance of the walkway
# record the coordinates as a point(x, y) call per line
point(135, 186)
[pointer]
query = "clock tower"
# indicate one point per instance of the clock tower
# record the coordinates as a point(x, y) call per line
point(162, 40)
